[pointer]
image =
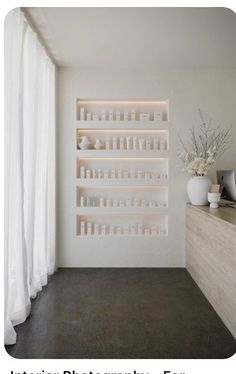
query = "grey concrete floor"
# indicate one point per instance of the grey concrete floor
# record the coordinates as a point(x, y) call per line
point(122, 313)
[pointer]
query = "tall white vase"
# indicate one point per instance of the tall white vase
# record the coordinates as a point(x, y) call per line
point(198, 188)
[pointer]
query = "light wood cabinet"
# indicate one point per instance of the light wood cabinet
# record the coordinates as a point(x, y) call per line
point(211, 257)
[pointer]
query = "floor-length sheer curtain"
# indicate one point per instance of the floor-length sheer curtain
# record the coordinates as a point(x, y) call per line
point(29, 169)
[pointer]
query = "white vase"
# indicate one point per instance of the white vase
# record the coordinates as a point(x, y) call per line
point(198, 188)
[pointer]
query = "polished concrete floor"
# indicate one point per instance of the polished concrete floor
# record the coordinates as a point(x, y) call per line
point(122, 313)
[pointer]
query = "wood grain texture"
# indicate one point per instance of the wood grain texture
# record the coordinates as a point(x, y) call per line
point(211, 257)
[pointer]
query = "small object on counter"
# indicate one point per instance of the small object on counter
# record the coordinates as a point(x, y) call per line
point(214, 199)
point(215, 188)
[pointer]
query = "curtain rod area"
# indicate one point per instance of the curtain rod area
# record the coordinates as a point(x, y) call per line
point(35, 29)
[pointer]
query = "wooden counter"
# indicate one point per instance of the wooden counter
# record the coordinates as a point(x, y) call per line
point(211, 257)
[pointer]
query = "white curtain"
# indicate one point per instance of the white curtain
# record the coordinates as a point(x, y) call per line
point(29, 169)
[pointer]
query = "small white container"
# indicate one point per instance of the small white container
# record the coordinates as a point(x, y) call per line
point(82, 228)
point(89, 228)
point(118, 231)
point(82, 172)
point(135, 143)
point(152, 204)
point(108, 143)
point(133, 230)
point(148, 145)
point(128, 142)
point(106, 174)
point(111, 230)
point(101, 202)
point(140, 174)
point(140, 117)
point(141, 144)
point(126, 230)
point(95, 117)
point(126, 174)
point(119, 174)
point(100, 174)
point(133, 115)
point(89, 116)
point(103, 231)
point(147, 175)
point(154, 231)
point(162, 144)
point(96, 229)
point(132, 174)
point(94, 173)
point(82, 201)
point(110, 115)
point(113, 173)
point(147, 232)
point(214, 199)
point(88, 174)
point(143, 203)
point(145, 116)
point(155, 144)
point(122, 143)
point(157, 116)
point(140, 229)
point(126, 116)
point(88, 201)
point(117, 116)
point(103, 115)
point(82, 114)
point(114, 142)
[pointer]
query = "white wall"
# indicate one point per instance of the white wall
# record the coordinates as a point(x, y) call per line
point(214, 91)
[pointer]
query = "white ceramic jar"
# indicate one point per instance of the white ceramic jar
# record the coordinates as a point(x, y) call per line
point(198, 188)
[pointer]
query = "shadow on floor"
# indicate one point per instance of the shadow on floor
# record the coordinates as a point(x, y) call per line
point(122, 313)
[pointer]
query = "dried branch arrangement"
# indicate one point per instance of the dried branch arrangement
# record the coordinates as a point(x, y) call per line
point(206, 146)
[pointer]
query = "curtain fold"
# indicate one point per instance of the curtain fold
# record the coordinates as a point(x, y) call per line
point(29, 169)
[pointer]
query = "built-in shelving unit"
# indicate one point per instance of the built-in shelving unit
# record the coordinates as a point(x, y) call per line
point(122, 168)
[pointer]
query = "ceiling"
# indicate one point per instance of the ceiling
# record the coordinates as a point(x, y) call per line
point(138, 38)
